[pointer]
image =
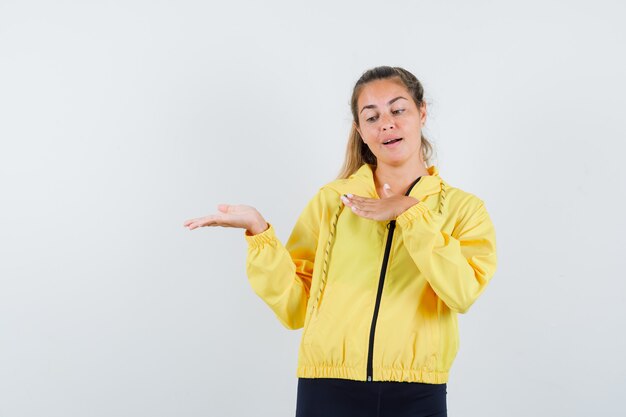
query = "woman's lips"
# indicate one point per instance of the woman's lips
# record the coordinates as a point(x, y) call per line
point(393, 142)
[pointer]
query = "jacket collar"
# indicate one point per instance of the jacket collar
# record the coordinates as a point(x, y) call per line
point(362, 183)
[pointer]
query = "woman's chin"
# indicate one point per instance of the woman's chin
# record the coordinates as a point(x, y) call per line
point(396, 160)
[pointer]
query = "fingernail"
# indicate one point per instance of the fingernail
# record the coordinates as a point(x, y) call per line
point(386, 186)
point(349, 195)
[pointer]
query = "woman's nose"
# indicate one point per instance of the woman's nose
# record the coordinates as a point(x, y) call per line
point(387, 122)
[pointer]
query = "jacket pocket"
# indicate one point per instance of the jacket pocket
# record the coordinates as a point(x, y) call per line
point(316, 316)
point(310, 327)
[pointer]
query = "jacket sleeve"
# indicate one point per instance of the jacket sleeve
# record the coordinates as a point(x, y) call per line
point(281, 275)
point(459, 267)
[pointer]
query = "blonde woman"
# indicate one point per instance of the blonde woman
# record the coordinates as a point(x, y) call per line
point(378, 265)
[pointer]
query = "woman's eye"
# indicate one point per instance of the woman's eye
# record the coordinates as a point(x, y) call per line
point(373, 118)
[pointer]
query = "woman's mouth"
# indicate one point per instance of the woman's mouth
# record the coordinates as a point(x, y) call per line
point(392, 141)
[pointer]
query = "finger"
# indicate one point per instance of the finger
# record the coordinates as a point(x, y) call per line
point(360, 212)
point(365, 205)
point(365, 209)
point(211, 220)
point(356, 206)
point(190, 221)
point(193, 225)
point(199, 220)
point(387, 191)
point(350, 200)
point(355, 199)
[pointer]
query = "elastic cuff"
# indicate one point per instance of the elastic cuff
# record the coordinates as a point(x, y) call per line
point(404, 220)
point(258, 240)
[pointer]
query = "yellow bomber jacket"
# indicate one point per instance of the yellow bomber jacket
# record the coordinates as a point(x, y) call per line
point(377, 300)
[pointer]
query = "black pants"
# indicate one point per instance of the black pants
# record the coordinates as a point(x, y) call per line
point(332, 397)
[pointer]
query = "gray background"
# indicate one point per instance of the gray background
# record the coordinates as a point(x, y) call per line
point(122, 119)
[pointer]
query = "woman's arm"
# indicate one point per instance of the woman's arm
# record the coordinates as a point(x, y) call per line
point(459, 267)
point(281, 275)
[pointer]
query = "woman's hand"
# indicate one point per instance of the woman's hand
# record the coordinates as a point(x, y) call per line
point(241, 216)
point(387, 208)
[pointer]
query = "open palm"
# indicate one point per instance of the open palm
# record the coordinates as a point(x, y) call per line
point(231, 215)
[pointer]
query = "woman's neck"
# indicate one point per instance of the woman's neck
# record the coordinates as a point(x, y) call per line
point(399, 178)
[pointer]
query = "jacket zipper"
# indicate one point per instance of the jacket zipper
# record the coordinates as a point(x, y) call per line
point(381, 282)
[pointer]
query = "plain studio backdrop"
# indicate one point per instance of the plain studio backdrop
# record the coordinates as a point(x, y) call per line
point(119, 120)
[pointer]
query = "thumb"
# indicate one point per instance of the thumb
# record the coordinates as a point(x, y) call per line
point(387, 190)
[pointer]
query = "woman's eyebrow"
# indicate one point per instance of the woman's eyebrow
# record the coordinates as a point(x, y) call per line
point(371, 106)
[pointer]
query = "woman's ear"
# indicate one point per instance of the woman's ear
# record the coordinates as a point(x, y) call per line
point(423, 113)
point(358, 130)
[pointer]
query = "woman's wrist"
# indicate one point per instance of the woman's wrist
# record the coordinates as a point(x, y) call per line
point(258, 227)
point(410, 202)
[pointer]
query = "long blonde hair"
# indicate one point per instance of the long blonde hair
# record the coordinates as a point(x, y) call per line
point(357, 152)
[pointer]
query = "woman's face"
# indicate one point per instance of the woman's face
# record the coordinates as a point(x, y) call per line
point(386, 112)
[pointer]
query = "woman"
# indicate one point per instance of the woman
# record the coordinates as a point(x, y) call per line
point(378, 265)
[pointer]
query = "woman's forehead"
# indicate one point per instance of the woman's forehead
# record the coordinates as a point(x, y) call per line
point(380, 92)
